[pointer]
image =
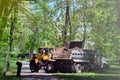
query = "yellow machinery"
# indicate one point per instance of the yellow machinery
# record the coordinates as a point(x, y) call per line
point(44, 53)
point(40, 60)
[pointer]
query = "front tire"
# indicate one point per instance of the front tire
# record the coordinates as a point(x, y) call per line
point(32, 68)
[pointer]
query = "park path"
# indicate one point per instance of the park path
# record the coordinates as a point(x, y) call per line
point(41, 75)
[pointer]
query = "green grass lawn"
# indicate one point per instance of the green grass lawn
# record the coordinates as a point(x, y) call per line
point(12, 72)
point(88, 77)
point(12, 65)
point(9, 78)
point(112, 74)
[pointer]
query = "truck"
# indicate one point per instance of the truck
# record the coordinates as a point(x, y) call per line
point(72, 58)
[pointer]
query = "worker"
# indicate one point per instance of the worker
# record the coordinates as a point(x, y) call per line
point(19, 66)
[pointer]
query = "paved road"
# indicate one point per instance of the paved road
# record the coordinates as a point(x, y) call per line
point(41, 75)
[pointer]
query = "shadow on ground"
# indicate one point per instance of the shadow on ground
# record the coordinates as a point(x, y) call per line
point(40, 77)
point(30, 77)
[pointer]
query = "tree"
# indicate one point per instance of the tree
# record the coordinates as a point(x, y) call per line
point(8, 16)
point(103, 24)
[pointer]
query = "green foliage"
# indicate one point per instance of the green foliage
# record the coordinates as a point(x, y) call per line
point(2, 65)
point(45, 22)
point(104, 26)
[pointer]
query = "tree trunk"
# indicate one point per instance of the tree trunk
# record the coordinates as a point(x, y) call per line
point(6, 66)
point(84, 22)
point(12, 27)
point(67, 22)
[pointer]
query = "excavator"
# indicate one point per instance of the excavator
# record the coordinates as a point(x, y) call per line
point(40, 60)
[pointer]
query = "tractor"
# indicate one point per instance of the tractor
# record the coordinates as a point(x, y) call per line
point(40, 60)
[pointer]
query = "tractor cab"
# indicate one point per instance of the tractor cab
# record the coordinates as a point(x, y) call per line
point(43, 55)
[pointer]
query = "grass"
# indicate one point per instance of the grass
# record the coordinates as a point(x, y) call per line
point(9, 78)
point(112, 74)
point(114, 69)
point(1, 65)
point(12, 65)
point(11, 75)
point(12, 71)
point(88, 77)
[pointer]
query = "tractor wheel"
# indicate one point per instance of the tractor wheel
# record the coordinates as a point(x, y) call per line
point(32, 65)
point(32, 68)
point(86, 68)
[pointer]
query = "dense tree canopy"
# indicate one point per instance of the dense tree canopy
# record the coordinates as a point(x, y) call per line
point(26, 25)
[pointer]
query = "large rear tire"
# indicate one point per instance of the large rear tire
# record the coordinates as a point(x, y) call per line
point(50, 68)
point(86, 68)
point(77, 68)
